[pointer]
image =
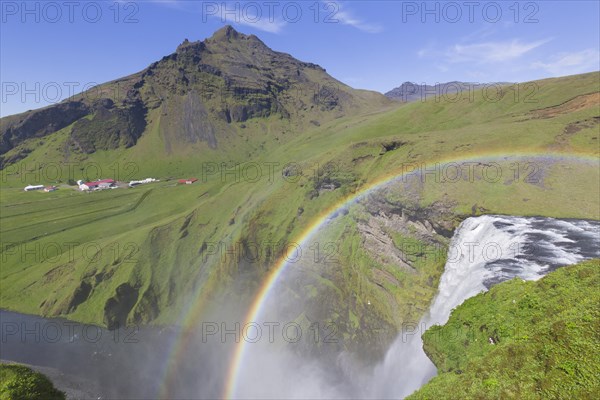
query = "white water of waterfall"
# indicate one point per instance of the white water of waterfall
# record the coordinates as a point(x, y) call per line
point(484, 251)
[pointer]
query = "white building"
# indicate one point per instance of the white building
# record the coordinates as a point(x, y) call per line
point(147, 180)
point(33, 187)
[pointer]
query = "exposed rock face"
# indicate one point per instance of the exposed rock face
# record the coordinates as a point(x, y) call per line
point(109, 127)
point(380, 244)
point(147, 309)
point(438, 218)
point(34, 124)
point(240, 77)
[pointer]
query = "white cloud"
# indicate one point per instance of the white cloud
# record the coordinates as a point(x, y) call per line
point(490, 52)
point(270, 18)
point(571, 63)
point(481, 53)
point(335, 12)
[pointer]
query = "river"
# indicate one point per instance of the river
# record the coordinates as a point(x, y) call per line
point(130, 363)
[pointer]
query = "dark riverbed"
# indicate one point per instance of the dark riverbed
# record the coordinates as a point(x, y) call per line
point(129, 363)
point(107, 363)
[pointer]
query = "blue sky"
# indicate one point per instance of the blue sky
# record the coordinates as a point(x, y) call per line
point(50, 49)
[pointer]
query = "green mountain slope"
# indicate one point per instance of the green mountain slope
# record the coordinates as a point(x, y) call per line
point(521, 340)
point(269, 161)
point(196, 101)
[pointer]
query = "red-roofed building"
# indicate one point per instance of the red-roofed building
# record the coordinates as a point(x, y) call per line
point(188, 181)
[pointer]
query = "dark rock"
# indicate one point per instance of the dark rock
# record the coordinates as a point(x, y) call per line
point(117, 308)
point(39, 123)
point(79, 296)
point(109, 128)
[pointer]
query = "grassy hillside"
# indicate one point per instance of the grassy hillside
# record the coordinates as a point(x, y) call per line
point(521, 340)
point(20, 382)
point(136, 255)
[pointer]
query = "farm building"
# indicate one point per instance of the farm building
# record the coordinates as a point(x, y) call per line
point(188, 181)
point(101, 184)
point(147, 180)
point(29, 188)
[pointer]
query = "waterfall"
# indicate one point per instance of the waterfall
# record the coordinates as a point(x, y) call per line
point(483, 252)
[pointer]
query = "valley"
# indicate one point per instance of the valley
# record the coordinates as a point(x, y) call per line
point(343, 200)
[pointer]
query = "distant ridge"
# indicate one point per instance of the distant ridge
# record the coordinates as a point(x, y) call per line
point(410, 91)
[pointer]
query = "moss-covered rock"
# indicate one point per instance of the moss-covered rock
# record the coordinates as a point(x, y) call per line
point(18, 382)
point(522, 340)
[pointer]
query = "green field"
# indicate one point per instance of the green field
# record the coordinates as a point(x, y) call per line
point(137, 255)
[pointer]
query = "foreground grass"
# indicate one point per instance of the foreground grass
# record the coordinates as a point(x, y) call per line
point(545, 334)
point(18, 382)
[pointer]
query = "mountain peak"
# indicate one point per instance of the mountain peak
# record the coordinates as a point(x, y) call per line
point(187, 44)
point(201, 88)
point(226, 33)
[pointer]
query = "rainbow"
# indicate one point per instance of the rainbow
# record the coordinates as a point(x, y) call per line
point(195, 310)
